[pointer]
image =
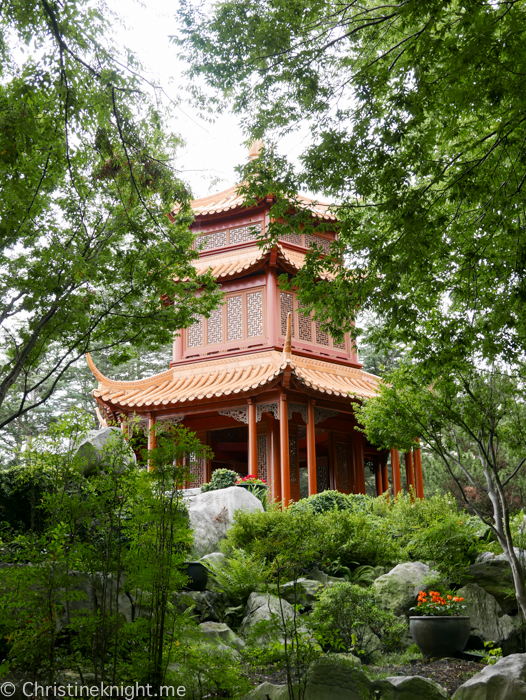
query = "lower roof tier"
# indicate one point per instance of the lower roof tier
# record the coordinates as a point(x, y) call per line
point(192, 384)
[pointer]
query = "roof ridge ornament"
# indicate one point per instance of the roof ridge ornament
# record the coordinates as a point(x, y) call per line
point(287, 348)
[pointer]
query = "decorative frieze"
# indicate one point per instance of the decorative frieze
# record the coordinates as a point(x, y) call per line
point(267, 408)
point(321, 414)
point(239, 414)
point(298, 408)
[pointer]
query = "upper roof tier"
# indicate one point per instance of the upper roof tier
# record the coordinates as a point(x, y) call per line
point(229, 200)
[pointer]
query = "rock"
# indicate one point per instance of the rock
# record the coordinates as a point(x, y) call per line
point(91, 449)
point(488, 624)
point(219, 633)
point(408, 688)
point(321, 577)
point(264, 609)
point(492, 573)
point(207, 606)
point(506, 680)
point(398, 590)
point(212, 514)
point(306, 593)
point(268, 691)
point(336, 678)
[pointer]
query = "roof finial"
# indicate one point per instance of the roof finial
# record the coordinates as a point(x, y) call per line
point(255, 149)
point(287, 348)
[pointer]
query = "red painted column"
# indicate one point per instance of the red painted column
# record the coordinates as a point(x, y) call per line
point(284, 448)
point(410, 479)
point(272, 305)
point(419, 481)
point(151, 437)
point(178, 347)
point(359, 461)
point(311, 449)
point(274, 451)
point(395, 468)
point(385, 474)
point(252, 439)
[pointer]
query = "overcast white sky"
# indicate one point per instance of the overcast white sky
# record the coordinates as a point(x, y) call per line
point(212, 150)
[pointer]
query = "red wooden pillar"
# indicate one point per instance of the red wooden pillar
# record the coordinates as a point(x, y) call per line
point(284, 448)
point(272, 305)
point(385, 474)
point(252, 439)
point(410, 479)
point(151, 437)
point(311, 449)
point(378, 479)
point(178, 347)
point(359, 462)
point(419, 481)
point(395, 468)
point(274, 451)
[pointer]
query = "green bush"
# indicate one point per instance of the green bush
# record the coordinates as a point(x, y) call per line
point(331, 500)
point(221, 479)
point(349, 614)
point(240, 575)
point(433, 530)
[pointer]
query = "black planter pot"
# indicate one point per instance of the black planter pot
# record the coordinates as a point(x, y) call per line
point(257, 489)
point(198, 575)
point(437, 637)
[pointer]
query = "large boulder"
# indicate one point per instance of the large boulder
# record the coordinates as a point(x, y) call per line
point(488, 624)
point(398, 590)
point(207, 606)
point(219, 633)
point(212, 514)
point(304, 592)
point(506, 680)
point(337, 678)
point(408, 688)
point(90, 450)
point(493, 573)
point(266, 611)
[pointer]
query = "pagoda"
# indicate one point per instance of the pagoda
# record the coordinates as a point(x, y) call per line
point(262, 384)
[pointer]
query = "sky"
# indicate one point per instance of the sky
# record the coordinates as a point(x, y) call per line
point(212, 151)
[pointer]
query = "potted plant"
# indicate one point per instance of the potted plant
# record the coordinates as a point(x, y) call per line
point(253, 484)
point(439, 629)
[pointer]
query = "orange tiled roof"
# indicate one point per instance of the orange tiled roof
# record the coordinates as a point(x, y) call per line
point(229, 199)
point(226, 377)
point(236, 262)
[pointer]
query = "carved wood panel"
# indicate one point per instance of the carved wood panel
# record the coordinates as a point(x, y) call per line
point(254, 314)
point(262, 456)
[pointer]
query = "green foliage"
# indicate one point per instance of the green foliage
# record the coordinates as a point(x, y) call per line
point(356, 621)
point(352, 538)
point(221, 479)
point(87, 183)
point(239, 576)
point(492, 655)
point(330, 500)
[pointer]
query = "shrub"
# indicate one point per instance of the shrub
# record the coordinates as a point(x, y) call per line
point(221, 479)
point(350, 615)
point(239, 576)
point(334, 500)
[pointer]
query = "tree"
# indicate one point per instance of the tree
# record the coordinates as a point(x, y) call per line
point(86, 186)
point(417, 118)
point(474, 421)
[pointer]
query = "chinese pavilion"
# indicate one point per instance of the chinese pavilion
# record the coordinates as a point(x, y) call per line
point(259, 382)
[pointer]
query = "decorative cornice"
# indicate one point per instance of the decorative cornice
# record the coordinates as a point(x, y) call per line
point(239, 414)
point(267, 408)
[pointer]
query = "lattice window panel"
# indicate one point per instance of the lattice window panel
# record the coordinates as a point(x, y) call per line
point(286, 304)
point(341, 451)
point(293, 459)
point(340, 346)
point(321, 337)
point(215, 327)
point(305, 328)
point(262, 457)
point(212, 240)
point(196, 476)
point(322, 476)
point(234, 310)
point(254, 314)
point(245, 233)
point(295, 238)
point(195, 333)
point(320, 242)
